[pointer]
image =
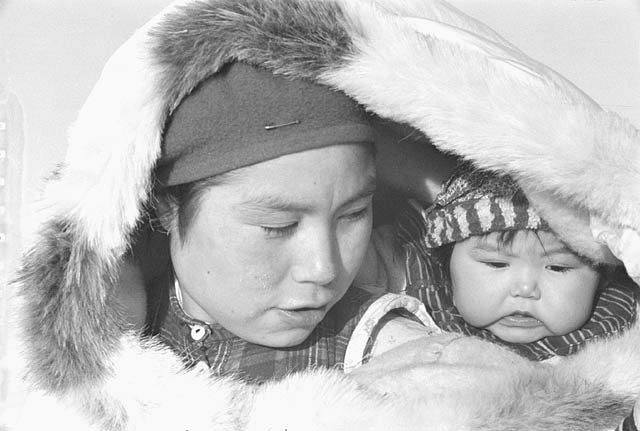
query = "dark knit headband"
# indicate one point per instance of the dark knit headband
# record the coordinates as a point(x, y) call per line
point(244, 115)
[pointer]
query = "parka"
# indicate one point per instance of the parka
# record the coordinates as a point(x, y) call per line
point(420, 64)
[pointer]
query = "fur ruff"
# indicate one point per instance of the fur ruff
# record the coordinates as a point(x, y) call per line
point(474, 386)
point(505, 112)
point(421, 63)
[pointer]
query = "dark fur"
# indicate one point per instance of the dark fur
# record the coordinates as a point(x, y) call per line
point(70, 318)
point(299, 39)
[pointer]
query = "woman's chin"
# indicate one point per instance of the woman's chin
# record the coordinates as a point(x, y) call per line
point(280, 339)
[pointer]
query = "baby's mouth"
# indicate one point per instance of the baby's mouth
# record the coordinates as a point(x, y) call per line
point(521, 319)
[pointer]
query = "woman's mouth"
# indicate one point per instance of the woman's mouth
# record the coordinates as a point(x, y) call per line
point(306, 317)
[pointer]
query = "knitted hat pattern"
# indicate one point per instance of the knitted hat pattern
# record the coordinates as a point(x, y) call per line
point(477, 202)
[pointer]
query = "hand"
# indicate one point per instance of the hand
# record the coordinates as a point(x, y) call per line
point(450, 361)
point(385, 370)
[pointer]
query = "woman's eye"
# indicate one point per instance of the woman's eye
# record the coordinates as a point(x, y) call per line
point(280, 231)
point(356, 215)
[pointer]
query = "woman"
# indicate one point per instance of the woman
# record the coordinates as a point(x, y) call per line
point(406, 63)
point(267, 200)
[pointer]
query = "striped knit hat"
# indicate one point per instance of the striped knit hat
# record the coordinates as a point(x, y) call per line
point(477, 202)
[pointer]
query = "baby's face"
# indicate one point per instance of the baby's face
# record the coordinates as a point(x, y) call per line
point(529, 289)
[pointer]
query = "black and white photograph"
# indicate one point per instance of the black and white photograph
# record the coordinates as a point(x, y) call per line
point(306, 215)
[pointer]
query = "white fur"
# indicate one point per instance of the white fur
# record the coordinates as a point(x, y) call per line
point(474, 95)
point(117, 131)
point(475, 385)
point(152, 388)
point(614, 361)
point(493, 105)
point(441, 12)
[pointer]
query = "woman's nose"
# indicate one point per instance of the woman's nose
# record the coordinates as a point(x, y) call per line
point(317, 261)
point(526, 285)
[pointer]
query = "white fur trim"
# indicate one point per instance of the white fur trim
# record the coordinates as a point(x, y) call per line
point(624, 243)
point(117, 132)
point(493, 105)
point(615, 361)
point(465, 88)
point(442, 12)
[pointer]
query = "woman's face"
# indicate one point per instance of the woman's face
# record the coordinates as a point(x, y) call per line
point(271, 251)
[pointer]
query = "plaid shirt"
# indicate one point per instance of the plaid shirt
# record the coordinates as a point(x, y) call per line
point(428, 280)
point(223, 353)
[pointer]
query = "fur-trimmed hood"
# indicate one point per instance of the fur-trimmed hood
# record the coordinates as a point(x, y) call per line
point(420, 63)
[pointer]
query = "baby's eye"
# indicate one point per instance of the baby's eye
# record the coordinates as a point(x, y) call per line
point(280, 231)
point(559, 268)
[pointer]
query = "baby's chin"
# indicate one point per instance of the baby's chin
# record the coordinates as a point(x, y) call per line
point(519, 335)
point(519, 339)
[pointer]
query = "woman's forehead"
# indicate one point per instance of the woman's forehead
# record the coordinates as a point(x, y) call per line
point(281, 200)
point(295, 182)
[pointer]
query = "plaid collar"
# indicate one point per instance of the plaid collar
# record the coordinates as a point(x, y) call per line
point(211, 346)
point(217, 331)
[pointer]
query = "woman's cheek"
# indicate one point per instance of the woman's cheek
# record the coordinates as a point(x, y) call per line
point(266, 265)
point(354, 244)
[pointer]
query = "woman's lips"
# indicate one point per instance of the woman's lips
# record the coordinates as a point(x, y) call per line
point(520, 320)
point(303, 317)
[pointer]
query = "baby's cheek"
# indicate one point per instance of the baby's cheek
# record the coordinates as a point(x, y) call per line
point(562, 320)
point(472, 312)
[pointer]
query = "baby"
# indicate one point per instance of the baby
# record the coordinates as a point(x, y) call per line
point(487, 265)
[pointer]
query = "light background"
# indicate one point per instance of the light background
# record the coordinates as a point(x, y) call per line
point(54, 51)
point(51, 53)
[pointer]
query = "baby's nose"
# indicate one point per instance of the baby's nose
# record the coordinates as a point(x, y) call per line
point(526, 286)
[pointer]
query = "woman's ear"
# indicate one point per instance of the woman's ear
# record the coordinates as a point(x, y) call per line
point(167, 212)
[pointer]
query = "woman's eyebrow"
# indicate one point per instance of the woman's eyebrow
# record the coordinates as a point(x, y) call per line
point(269, 202)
